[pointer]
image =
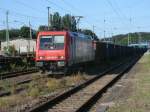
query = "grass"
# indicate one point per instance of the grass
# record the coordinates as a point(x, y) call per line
point(53, 84)
point(76, 79)
point(39, 86)
point(5, 85)
point(139, 100)
point(45, 85)
point(34, 92)
point(11, 101)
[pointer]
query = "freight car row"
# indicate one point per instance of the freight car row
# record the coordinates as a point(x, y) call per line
point(108, 51)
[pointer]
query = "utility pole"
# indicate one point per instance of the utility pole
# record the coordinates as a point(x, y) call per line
point(104, 35)
point(104, 30)
point(48, 18)
point(129, 32)
point(112, 40)
point(29, 37)
point(140, 38)
point(78, 21)
point(114, 29)
point(93, 31)
point(128, 38)
point(7, 30)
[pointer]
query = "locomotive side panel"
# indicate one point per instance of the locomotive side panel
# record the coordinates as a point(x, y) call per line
point(84, 51)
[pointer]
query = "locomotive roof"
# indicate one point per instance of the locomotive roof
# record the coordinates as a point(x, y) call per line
point(72, 34)
point(80, 35)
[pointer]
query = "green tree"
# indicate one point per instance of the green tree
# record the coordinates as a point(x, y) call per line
point(73, 24)
point(56, 21)
point(25, 32)
point(66, 22)
point(14, 33)
point(134, 38)
point(34, 34)
point(2, 35)
point(43, 28)
point(69, 23)
point(89, 32)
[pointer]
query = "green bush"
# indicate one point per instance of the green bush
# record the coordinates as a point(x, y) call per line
point(53, 84)
point(34, 92)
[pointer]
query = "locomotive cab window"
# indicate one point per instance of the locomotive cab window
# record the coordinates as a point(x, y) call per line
point(52, 42)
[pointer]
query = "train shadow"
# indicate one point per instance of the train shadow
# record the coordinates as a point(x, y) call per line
point(94, 70)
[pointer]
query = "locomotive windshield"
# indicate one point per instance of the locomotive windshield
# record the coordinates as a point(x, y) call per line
point(52, 42)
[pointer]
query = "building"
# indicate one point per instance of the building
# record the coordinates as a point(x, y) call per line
point(21, 45)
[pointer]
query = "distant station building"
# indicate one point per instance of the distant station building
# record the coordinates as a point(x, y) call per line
point(141, 45)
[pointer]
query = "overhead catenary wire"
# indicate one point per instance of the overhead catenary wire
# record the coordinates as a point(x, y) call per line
point(115, 11)
point(68, 4)
point(21, 14)
point(99, 29)
point(130, 19)
point(26, 16)
point(29, 6)
point(15, 13)
point(87, 21)
point(12, 13)
point(58, 6)
point(120, 11)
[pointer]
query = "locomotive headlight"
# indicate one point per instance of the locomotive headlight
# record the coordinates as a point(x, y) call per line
point(61, 57)
point(41, 57)
point(61, 63)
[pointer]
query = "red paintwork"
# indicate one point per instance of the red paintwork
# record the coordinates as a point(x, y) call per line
point(53, 55)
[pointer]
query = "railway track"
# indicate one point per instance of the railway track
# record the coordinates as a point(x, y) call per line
point(82, 97)
point(6, 93)
point(18, 73)
point(21, 81)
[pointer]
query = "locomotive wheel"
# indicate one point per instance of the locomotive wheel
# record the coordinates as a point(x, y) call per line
point(43, 71)
point(65, 71)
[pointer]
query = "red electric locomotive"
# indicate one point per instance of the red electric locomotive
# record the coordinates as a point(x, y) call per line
point(59, 51)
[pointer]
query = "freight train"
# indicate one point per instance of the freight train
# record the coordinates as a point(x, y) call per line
point(62, 51)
